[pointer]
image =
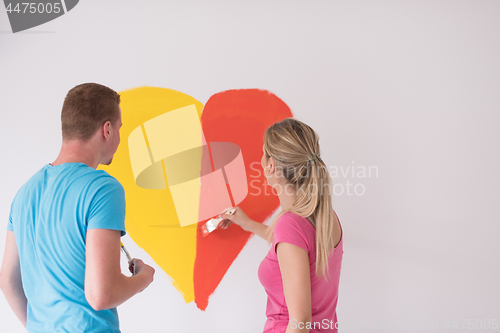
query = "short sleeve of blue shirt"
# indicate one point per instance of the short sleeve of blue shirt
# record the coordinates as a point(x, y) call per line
point(107, 207)
point(10, 227)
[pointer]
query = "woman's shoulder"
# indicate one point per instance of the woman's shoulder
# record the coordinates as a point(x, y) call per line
point(290, 222)
point(294, 229)
point(292, 217)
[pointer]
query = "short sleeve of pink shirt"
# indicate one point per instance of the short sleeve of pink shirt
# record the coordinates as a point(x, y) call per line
point(290, 230)
point(296, 230)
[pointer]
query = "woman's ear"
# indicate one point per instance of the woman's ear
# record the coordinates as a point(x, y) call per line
point(271, 165)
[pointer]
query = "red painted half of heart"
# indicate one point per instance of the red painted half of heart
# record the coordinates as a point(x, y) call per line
point(240, 117)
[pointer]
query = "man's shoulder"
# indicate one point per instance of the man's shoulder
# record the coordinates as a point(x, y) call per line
point(31, 182)
point(102, 178)
point(73, 176)
point(101, 184)
point(91, 176)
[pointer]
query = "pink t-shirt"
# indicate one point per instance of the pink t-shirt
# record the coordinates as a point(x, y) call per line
point(296, 230)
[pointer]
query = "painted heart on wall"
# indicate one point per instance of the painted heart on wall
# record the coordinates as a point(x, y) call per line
point(156, 209)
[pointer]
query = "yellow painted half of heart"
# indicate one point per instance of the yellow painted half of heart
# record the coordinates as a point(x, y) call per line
point(151, 218)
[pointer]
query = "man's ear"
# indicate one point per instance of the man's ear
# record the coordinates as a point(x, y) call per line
point(106, 130)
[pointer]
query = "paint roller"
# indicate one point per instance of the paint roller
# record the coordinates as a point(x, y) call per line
point(213, 223)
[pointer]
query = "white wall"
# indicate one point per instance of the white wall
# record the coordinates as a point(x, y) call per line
point(411, 87)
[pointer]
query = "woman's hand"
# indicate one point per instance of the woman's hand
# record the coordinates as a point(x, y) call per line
point(238, 217)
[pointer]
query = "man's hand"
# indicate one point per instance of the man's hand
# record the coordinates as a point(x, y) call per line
point(137, 266)
point(105, 285)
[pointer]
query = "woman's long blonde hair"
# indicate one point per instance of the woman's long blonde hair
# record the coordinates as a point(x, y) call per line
point(294, 147)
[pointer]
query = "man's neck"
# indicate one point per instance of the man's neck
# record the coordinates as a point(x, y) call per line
point(78, 152)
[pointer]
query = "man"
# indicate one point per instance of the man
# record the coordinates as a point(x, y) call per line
point(61, 268)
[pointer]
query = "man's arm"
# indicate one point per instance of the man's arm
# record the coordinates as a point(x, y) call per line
point(105, 286)
point(10, 279)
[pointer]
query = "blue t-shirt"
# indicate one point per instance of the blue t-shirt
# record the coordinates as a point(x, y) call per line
point(50, 216)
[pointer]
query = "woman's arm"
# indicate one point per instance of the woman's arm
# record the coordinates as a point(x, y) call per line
point(294, 267)
point(257, 228)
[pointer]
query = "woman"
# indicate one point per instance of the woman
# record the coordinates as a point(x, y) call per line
point(301, 271)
